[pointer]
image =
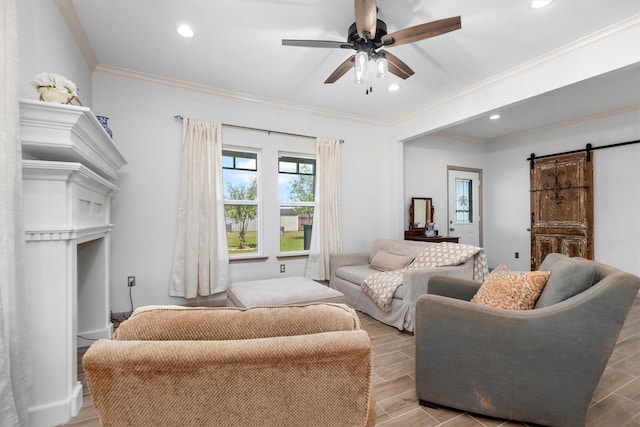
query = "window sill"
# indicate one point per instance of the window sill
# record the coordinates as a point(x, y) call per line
point(296, 255)
point(257, 258)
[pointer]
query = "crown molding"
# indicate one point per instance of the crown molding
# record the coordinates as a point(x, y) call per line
point(73, 22)
point(629, 24)
point(537, 129)
point(213, 91)
point(565, 123)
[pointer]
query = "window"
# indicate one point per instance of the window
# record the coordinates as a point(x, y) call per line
point(296, 192)
point(240, 181)
point(464, 199)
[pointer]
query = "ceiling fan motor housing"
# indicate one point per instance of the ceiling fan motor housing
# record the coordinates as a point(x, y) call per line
point(369, 45)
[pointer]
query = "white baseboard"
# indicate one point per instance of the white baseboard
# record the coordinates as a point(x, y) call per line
point(56, 413)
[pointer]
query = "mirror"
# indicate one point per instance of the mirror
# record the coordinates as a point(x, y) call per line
point(420, 213)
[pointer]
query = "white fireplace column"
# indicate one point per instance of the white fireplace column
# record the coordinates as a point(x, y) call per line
point(68, 168)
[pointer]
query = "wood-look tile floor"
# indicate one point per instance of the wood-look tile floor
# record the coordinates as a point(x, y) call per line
point(616, 401)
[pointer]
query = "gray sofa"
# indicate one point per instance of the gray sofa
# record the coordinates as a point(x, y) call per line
point(350, 269)
point(540, 365)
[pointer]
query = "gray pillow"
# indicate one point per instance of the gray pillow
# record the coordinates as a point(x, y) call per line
point(551, 259)
point(569, 277)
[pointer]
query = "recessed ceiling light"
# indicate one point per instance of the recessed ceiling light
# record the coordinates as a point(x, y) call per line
point(185, 31)
point(494, 116)
point(393, 87)
point(539, 4)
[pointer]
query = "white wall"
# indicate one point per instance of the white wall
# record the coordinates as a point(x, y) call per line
point(616, 173)
point(46, 44)
point(144, 211)
point(425, 171)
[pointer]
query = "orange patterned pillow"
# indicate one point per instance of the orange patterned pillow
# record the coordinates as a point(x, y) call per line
point(499, 269)
point(514, 290)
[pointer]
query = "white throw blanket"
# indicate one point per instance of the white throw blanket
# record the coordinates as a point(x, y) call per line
point(381, 286)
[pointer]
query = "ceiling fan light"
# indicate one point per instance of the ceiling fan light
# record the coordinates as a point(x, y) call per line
point(382, 67)
point(539, 4)
point(361, 61)
point(359, 76)
point(185, 31)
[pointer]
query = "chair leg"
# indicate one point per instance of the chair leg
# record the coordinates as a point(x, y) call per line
point(428, 404)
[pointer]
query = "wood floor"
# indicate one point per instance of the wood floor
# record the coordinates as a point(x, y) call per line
point(616, 401)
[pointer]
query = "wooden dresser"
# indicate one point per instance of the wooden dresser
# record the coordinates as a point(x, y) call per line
point(419, 236)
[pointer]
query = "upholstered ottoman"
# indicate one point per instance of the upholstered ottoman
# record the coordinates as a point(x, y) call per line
point(284, 291)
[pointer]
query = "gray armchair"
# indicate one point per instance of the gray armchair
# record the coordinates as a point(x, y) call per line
point(539, 365)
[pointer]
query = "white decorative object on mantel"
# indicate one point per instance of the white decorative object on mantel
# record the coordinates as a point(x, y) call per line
point(54, 87)
point(70, 163)
point(68, 133)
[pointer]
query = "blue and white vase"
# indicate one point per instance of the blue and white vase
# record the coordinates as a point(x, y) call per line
point(430, 231)
point(103, 121)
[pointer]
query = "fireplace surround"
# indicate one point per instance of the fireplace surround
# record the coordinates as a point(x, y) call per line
point(69, 171)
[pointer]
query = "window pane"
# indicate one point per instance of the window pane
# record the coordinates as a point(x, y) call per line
point(227, 161)
point(288, 167)
point(464, 199)
point(296, 188)
point(240, 182)
point(239, 160)
point(243, 163)
point(295, 228)
point(307, 168)
point(242, 230)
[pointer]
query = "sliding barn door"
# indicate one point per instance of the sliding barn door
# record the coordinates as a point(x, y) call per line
point(561, 207)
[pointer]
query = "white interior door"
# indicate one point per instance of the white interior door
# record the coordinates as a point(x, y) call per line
point(464, 206)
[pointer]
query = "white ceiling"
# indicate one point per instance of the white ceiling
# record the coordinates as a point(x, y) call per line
point(237, 48)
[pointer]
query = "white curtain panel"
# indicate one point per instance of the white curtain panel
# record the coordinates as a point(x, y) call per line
point(201, 260)
point(326, 234)
point(15, 360)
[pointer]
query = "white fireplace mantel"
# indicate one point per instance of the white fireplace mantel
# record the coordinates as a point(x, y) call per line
point(68, 133)
point(68, 173)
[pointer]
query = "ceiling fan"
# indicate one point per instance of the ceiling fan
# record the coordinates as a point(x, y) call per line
point(368, 35)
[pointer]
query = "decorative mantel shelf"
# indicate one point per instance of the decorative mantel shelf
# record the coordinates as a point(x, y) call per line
point(69, 168)
point(68, 133)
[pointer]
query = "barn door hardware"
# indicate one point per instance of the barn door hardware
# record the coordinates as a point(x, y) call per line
point(588, 149)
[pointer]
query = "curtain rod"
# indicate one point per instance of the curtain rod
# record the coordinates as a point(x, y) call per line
point(179, 117)
point(588, 148)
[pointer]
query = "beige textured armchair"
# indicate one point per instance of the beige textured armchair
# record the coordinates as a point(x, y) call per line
point(260, 366)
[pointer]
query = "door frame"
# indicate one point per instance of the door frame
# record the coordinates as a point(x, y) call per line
point(480, 211)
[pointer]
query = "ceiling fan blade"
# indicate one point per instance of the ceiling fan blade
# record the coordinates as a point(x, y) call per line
point(366, 17)
point(341, 70)
point(422, 31)
point(317, 43)
point(397, 66)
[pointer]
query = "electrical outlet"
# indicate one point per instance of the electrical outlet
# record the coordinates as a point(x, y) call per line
point(517, 255)
point(131, 281)
point(281, 268)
